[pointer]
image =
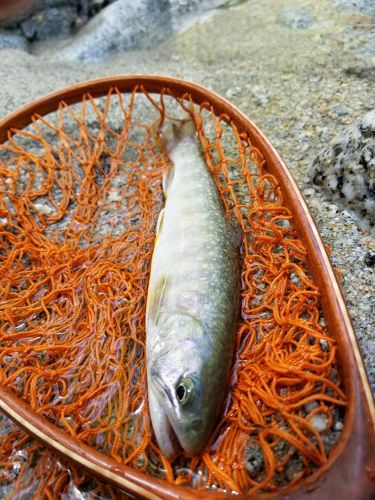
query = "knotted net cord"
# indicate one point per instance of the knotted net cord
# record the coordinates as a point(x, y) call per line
point(80, 192)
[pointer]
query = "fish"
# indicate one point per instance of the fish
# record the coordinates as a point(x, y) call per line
point(192, 301)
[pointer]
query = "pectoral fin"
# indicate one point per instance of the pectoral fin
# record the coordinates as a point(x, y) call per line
point(159, 223)
point(155, 299)
point(167, 180)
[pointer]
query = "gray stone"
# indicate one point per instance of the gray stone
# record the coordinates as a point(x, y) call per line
point(50, 23)
point(345, 171)
point(295, 17)
point(123, 25)
point(12, 41)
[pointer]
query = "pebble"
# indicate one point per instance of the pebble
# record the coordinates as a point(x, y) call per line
point(309, 192)
point(338, 111)
point(43, 208)
point(370, 259)
point(233, 91)
point(310, 406)
point(114, 195)
point(319, 421)
point(324, 345)
point(338, 426)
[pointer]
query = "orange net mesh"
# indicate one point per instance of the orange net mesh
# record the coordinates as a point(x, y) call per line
point(80, 192)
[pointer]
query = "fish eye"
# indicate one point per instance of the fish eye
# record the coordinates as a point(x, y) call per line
point(185, 390)
point(181, 391)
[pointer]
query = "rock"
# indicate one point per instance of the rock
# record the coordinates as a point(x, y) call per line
point(319, 421)
point(370, 259)
point(345, 171)
point(12, 41)
point(254, 458)
point(123, 25)
point(50, 23)
point(295, 17)
point(338, 426)
point(338, 111)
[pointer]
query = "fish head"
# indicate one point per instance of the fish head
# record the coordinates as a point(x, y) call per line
point(183, 402)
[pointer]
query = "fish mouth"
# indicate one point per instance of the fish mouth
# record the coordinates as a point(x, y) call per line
point(171, 444)
point(164, 430)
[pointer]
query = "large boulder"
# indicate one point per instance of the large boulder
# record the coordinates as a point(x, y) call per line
point(122, 25)
point(345, 171)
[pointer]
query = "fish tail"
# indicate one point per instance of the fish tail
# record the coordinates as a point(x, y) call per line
point(168, 137)
point(172, 133)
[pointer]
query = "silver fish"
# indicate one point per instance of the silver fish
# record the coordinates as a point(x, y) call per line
point(192, 303)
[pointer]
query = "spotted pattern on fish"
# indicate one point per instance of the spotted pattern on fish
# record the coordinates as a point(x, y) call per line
point(192, 303)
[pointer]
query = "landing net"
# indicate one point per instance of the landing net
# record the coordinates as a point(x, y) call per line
point(80, 192)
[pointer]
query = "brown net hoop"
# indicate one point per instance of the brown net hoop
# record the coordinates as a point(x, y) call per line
point(80, 191)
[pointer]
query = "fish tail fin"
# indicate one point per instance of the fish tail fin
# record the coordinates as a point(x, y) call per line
point(168, 136)
point(172, 133)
